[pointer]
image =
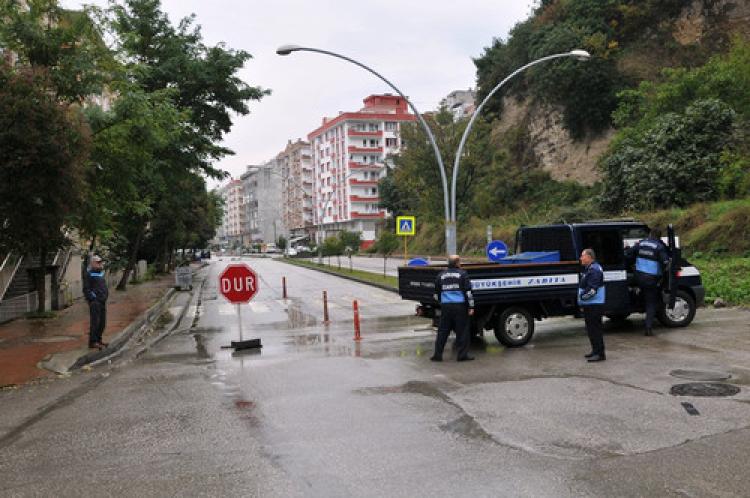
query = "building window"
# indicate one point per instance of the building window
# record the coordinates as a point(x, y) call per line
point(373, 127)
point(391, 142)
point(390, 126)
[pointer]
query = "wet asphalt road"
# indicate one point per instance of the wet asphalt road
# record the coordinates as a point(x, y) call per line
point(318, 414)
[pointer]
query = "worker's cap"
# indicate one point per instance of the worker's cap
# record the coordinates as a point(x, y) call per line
point(96, 259)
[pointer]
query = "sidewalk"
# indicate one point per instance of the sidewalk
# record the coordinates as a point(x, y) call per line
point(24, 343)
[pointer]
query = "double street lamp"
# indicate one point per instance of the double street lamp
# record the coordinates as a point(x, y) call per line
point(449, 208)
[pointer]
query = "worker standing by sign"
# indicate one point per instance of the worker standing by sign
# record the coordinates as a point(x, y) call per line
point(651, 258)
point(453, 292)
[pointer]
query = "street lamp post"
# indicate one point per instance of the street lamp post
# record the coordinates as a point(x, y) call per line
point(578, 54)
point(450, 226)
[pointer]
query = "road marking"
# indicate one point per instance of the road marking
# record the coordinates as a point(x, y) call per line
point(259, 307)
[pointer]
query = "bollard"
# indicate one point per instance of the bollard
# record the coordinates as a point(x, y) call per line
point(325, 307)
point(283, 286)
point(357, 334)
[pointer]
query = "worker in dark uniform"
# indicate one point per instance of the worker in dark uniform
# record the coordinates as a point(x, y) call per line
point(591, 297)
point(651, 259)
point(96, 293)
point(453, 292)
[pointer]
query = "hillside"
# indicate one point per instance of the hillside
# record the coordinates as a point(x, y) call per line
point(636, 39)
point(658, 118)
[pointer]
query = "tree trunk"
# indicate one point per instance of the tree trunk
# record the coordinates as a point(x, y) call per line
point(41, 285)
point(385, 258)
point(338, 260)
point(132, 260)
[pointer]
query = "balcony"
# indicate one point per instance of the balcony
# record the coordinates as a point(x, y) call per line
point(357, 214)
point(364, 198)
point(356, 133)
point(365, 150)
point(366, 183)
point(365, 166)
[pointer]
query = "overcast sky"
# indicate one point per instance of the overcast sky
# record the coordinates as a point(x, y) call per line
point(424, 47)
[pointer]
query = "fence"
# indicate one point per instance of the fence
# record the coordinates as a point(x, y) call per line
point(18, 306)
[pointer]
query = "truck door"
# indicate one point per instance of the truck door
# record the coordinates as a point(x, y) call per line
point(607, 244)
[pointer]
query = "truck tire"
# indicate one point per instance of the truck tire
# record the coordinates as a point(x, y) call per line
point(514, 327)
point(682, 314)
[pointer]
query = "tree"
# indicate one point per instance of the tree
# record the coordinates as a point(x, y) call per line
point(65, 43)
point(350, 239)
point(42, 165)
point(386, 245)
point(332, 246)
point(674, 162)
point(281, 242)
point(414, 185)
point(201, 83)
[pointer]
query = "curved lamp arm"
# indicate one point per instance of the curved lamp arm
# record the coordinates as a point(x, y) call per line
point(288, 49)
point(578, 54)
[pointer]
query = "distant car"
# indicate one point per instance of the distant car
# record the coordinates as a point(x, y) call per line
point(291, 251)
point(302, 249)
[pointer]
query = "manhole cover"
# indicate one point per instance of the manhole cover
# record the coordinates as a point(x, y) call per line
point(704, 389)
point(701, 375)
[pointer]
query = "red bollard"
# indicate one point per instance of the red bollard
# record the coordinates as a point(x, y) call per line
point(283, 285)
point(325, 307)
point(357, 334)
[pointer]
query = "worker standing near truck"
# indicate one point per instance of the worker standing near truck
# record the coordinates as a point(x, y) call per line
point(591, 297)
point(453, 292)
point(651, 258)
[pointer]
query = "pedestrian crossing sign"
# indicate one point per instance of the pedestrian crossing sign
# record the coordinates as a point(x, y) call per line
point(406, 225)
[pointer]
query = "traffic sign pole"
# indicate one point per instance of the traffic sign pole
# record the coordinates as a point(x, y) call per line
point(239, 320)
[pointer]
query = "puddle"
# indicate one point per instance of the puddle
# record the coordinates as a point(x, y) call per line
point(704, 389)
point(200, 346)
point(297, 318)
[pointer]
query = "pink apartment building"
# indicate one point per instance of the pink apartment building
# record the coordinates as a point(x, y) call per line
point(348, 158)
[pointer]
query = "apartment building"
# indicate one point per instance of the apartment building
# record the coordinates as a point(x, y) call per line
point(295, 164)
point(348, 158)
point(233, 225)
point(263, 200)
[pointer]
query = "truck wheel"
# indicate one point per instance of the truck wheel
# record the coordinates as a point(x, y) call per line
point(682, 314)
point(514, 327)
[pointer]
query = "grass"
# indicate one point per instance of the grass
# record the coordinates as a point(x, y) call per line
point(727, 278)
point(367, 276)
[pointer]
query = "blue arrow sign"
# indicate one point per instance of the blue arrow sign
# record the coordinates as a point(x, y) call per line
point(496, 250)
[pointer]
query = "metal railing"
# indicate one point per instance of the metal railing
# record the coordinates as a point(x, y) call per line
point(8, 269)
point(18, 306)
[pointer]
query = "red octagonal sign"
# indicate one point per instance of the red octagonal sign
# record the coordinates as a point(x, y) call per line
point(238, 283)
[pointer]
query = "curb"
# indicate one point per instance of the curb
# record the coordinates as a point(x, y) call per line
point(146, 318)
point(347, 277)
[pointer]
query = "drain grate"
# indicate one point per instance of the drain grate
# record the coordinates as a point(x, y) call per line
point(704, 389)
point(700, 375)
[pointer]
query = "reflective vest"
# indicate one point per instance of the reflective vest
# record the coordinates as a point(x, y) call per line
point(650, 257)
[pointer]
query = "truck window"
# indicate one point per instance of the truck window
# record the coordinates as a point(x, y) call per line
point(548, 239)
point(607, 244)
